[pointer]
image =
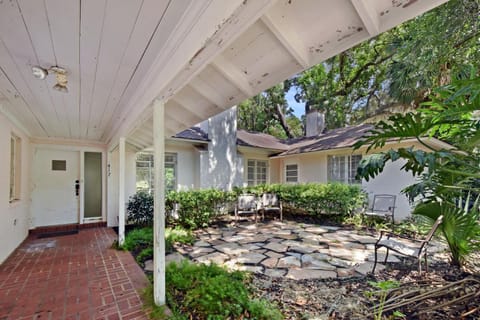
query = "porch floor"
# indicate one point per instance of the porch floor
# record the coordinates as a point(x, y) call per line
point(71, 277)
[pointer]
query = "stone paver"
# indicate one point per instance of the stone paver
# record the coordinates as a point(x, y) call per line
point(287, 249)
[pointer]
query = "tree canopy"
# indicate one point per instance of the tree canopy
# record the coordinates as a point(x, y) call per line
point(400, 66)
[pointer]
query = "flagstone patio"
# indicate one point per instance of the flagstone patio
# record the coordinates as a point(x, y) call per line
point(287, 249)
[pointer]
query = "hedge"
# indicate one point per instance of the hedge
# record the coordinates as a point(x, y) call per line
point(197, 208)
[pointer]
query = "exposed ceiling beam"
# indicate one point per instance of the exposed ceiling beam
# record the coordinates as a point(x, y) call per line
point(368, 15)
point(156, 85)
point(235, 76)
point(289, 40)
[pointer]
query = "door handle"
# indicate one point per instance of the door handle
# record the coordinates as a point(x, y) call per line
point(77, 187)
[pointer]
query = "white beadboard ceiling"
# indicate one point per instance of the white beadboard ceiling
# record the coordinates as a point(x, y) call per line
point(199, 56)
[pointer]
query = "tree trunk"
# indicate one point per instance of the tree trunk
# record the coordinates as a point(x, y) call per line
point(283, 120)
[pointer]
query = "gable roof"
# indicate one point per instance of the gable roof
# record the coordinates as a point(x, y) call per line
point(193, 133)
point(259, 140)
point(333, 139)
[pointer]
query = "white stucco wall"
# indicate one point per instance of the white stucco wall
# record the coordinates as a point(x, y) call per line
point(219, 166)
point(15, 222)
point(391, 181)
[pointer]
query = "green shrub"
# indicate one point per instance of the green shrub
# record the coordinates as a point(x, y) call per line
point(140, 209)
point(138, 239)
point(211, 292)
point(145, 255)
point(177, 235)
point(141, 241)
point(197, 208)
point(315, 198)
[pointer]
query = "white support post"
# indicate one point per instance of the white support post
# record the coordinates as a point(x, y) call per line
point(121, 191)
point(159, 203)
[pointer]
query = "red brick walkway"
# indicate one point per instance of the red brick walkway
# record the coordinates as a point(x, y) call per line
point(71, 277)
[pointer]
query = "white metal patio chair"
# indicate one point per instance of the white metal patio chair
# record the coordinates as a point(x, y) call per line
point(383, 206)
point(411, 248)
point(271, 202)
point(246, 203)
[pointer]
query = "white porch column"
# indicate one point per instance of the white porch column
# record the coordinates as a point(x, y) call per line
point(121, 191)
point(159, 202)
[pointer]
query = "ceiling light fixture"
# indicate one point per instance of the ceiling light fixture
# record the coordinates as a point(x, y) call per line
point(60, 75)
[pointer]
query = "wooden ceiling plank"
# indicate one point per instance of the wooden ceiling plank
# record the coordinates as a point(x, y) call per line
point(233, 74)
point(206, 91)
point(16, 106)
point(64, 20)
point(91, 26)
point(195, 102)
point(289, 40)
point(181, 114)
point(368, 16)
point(156, 51)
point(16, 58)
point(38, 27)
point(141, 35)
point(118, 26)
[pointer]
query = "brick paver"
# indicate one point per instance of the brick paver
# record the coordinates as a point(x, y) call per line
point(71, 277)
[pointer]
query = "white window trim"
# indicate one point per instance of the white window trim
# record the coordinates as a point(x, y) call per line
point(255, 180)
point(347, 163)
point(16, 145)
point(285, 173)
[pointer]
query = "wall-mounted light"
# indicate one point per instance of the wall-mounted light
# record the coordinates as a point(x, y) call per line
point(60, 75)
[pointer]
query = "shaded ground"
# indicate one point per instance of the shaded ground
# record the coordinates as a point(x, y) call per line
point(347, 299)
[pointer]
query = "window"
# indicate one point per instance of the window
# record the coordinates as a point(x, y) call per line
point(145, 172)
point(15, 165)
point(256, 172)
point(291, 173)
point(343, 168)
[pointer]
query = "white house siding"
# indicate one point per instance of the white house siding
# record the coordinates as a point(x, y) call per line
point(187, 165)
point(312, 167)
point(15, 216)
point(246, 154)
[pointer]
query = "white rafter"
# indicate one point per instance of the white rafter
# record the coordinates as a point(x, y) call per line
point(235, 76)
point(290, 41)
point(368, 15)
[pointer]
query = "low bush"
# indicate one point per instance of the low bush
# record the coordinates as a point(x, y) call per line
point(140, 241)
point(316, 198)
point(196, 208)
point(140, 209)
point(210, 292)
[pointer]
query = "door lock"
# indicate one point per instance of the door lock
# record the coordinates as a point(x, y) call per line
point(77, 187)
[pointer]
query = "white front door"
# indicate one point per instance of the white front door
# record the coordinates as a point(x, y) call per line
point(55, 199)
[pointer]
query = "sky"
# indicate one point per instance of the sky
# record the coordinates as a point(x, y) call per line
point(298, 108)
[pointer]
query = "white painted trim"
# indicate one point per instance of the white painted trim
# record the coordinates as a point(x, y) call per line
point(121, 191)
point(81, 198)
point(290, 41)
point(69, 142)
point(368, 16)
point(235, 76)
point(159, 203)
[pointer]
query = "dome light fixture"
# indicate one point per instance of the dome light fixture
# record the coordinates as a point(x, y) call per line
point(60, 75)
